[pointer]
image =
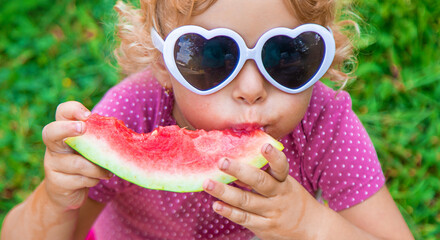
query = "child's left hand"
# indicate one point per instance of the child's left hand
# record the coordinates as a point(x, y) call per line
point(277, 208)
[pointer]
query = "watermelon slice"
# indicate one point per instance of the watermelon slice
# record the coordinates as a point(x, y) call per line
point(169, 158)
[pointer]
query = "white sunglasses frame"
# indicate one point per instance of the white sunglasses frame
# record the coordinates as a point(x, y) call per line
point(167, 49)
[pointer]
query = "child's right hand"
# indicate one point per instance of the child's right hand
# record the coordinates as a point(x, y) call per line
point(68, 175)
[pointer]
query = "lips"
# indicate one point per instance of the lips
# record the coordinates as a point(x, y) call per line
point(247, 127)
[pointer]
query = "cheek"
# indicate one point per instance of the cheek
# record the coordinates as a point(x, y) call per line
point(299, 104)
point(292, 111)
point(196, 111)
point(296, 111)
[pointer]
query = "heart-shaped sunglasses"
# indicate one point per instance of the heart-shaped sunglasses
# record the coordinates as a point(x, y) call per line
point(205, 61)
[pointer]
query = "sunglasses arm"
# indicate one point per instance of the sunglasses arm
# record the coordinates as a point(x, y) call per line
point(158, 42)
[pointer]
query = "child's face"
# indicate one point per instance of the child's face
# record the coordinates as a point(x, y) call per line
point(249, 100)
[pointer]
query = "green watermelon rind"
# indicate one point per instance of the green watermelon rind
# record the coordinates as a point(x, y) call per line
point(103, 156)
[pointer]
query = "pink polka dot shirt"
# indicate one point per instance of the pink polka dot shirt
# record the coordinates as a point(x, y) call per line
point(329, 153)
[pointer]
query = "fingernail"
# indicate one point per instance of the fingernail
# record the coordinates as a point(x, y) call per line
point(79, 127)
point(268, 148)
point(87, 114)
point(208, 185)
point(224, 163)
point(217, 206)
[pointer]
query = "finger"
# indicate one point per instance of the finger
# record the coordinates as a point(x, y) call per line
point(75, 164)
point(243, 185)
point(71, 111)
point(246, 219)
point(236, 197)
point(72, 182)
point(256, 178)
point(278, 165)
point(55, 132)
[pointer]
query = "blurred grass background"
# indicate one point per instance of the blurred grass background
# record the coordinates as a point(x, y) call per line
point(55, 51)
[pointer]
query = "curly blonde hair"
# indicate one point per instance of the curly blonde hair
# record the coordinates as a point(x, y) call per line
point(136, 51)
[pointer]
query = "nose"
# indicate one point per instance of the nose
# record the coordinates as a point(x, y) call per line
point(250, 86)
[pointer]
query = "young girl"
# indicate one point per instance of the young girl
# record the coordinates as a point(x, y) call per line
point(259, 70)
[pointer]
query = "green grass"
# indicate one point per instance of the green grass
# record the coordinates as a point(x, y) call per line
point(54, 51)
point(396, 97)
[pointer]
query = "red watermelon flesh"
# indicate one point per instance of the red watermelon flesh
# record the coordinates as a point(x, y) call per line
point(169, 158)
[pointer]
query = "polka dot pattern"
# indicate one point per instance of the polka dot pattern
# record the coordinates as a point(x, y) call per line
point(328, 152)
point(336, 153)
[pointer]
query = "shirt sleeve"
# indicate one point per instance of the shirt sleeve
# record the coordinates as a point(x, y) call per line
point(339, 156)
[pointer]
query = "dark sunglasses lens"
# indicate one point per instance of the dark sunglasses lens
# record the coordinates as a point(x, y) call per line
point(292, 62)
point(204, 63)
